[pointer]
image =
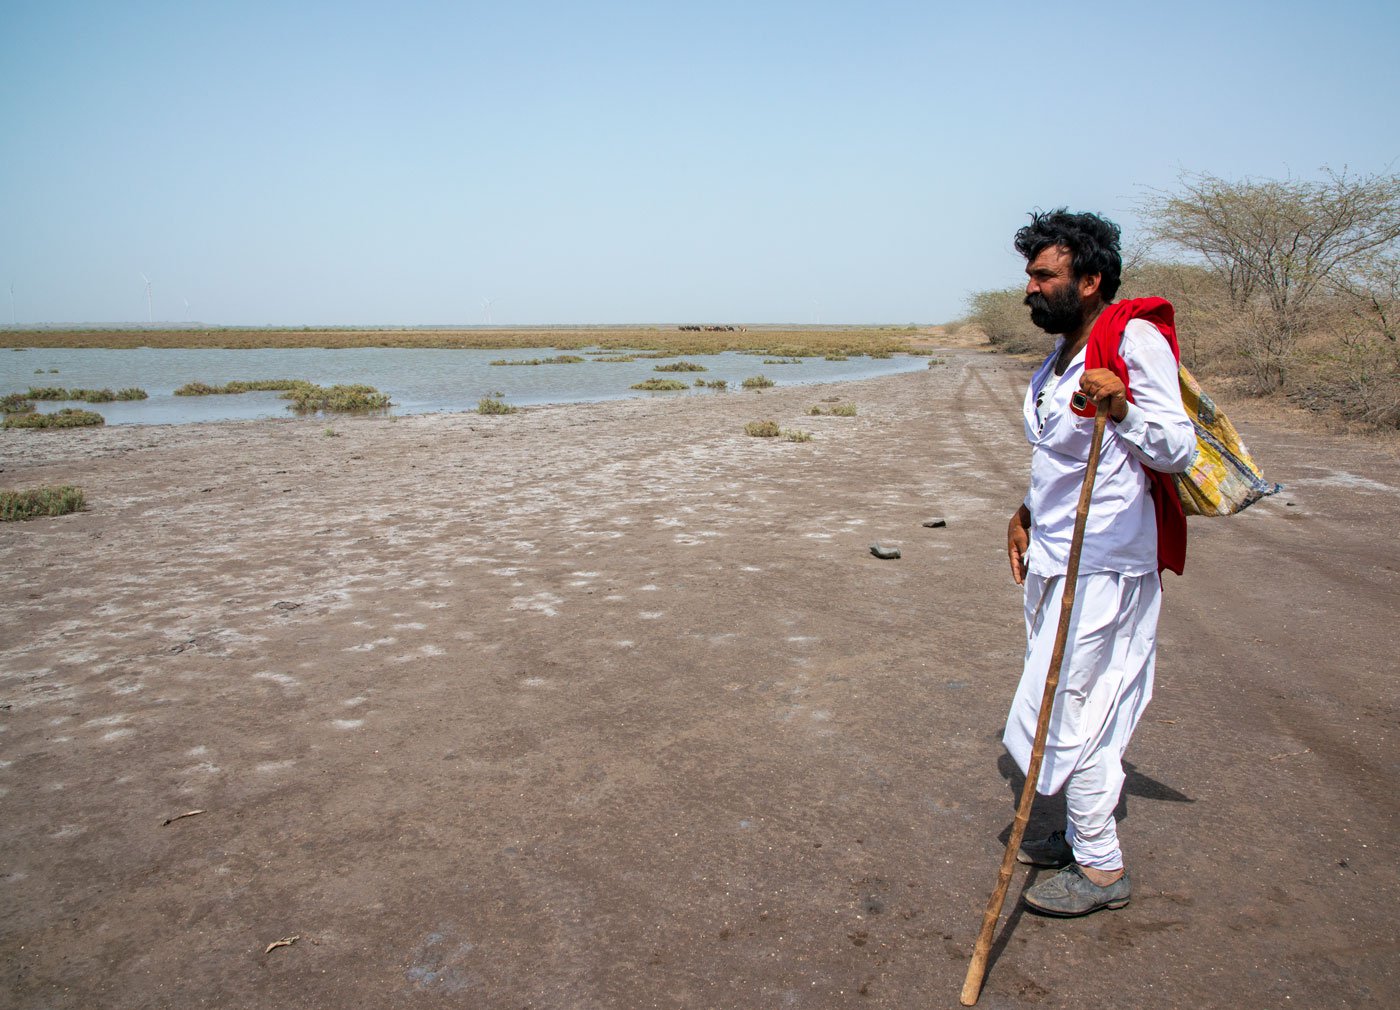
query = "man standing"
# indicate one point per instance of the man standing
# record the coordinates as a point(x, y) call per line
point(1123, 357)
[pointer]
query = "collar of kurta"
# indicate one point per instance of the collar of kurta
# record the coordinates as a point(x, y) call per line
point(1103, 350)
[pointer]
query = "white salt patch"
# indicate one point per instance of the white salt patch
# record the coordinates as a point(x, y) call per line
point(625, 643)
point(535, 682)
point(750, 568)
point(818, 536)
point(586, 575)
point(667, 521)
point(359, 699)
point(203, 768)
point(431, 650)
point(409, 626)
point(199, 751)
point(648, 588)
point(108, 720)
point(542, 603)
point(117, 734)
point(371, 646)
point(271, 767)
point(63, 739)
point(286, 680)
point(347, 723)
point(67, 831)
point(433, 604)
point(5, 764)
point(802, 638)
point(614, 598)
point(821, 715)
point(651, 615)
point(130, 688)
point(579, 583)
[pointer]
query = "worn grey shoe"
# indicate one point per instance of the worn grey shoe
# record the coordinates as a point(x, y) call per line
point(1069, 893)
point(1052, 852)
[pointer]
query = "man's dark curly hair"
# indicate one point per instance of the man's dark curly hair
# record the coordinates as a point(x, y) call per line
point(1091, 240)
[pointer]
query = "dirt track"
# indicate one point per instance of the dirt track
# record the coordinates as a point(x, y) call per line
point(609, 706)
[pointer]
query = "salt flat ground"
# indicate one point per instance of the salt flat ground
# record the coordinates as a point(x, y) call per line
point(609, 706)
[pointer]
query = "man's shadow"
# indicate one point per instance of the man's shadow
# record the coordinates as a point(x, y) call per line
point(1048, 814)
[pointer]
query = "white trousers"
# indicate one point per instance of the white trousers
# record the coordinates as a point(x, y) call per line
point(1105, 684)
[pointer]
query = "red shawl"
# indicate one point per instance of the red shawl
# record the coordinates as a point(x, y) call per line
point(1102, 351)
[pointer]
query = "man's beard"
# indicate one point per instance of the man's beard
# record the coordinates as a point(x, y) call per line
point(1062, 314)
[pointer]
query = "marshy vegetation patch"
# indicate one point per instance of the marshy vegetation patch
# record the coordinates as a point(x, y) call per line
point(758, 382)
point(762, 429)
point(680, 366)
point(660, 385)
point(40, 501)
point(68, 417)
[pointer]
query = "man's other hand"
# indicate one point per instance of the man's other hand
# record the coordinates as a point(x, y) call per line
point(1018, 541)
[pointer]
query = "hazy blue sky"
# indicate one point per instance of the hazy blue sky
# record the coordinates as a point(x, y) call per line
point(603, 162)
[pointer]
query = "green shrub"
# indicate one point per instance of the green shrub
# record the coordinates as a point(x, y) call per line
point(797, 435)
point(681, 366)
point(782, 361)
point(91, 395)
point(660, 385)
point(844, 410)
point(68, 417)
point(492, 405)
point(132, 393)
point(758, 382)
point(16, 403)
point(46, 393)
point(39, 501)
point(762, 429)
point(558, 359)
point(712, 384)
point(838, 357)
point(310, 398)
point(615, 357)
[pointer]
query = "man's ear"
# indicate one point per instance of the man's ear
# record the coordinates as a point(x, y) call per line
point(1089, 285)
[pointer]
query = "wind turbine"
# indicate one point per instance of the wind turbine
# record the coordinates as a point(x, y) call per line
point(150, 313)
point(187, 309)
point(12, 304)
point(486, 304)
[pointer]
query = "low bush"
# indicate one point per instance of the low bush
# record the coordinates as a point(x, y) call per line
point(340, 399)
point(758, 382)
point(68, 417)
point(39, 501)
point(838, 357)
point(558, 359)
point(660, 385)
point(493, 405)
point(615, 357)
point(712, 384)
point(762, 429)
point(46, 393)
point(16, 403)
point(132, 393)
point(797, 435)
point(844, 410)
point(681, 366)
point(784, 361)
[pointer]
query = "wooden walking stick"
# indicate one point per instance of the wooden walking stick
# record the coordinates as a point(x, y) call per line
point(972, 985)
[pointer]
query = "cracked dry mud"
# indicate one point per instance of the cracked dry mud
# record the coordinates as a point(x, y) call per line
point(609, 706)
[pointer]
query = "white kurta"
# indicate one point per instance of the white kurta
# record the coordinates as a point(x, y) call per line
point(1106, 679)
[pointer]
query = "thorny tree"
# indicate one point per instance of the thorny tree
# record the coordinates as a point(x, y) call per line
point(1279, 244)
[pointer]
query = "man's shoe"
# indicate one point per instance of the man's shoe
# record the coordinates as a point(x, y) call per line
point(1051, 853)
point(1070, 893)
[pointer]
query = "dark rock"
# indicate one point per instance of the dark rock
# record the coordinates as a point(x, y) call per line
point(936, 524)
point(884, 553)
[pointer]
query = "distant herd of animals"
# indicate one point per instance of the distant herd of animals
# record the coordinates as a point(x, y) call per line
point(714, 329)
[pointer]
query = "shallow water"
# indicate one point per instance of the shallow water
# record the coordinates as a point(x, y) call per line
point(418, 380)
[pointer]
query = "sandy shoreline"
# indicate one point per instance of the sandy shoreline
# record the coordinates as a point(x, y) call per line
point(607, 705)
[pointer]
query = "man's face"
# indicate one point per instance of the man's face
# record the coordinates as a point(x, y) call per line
point(1054, 296)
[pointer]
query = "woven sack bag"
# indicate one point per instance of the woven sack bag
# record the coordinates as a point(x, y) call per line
point(1223, 478)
